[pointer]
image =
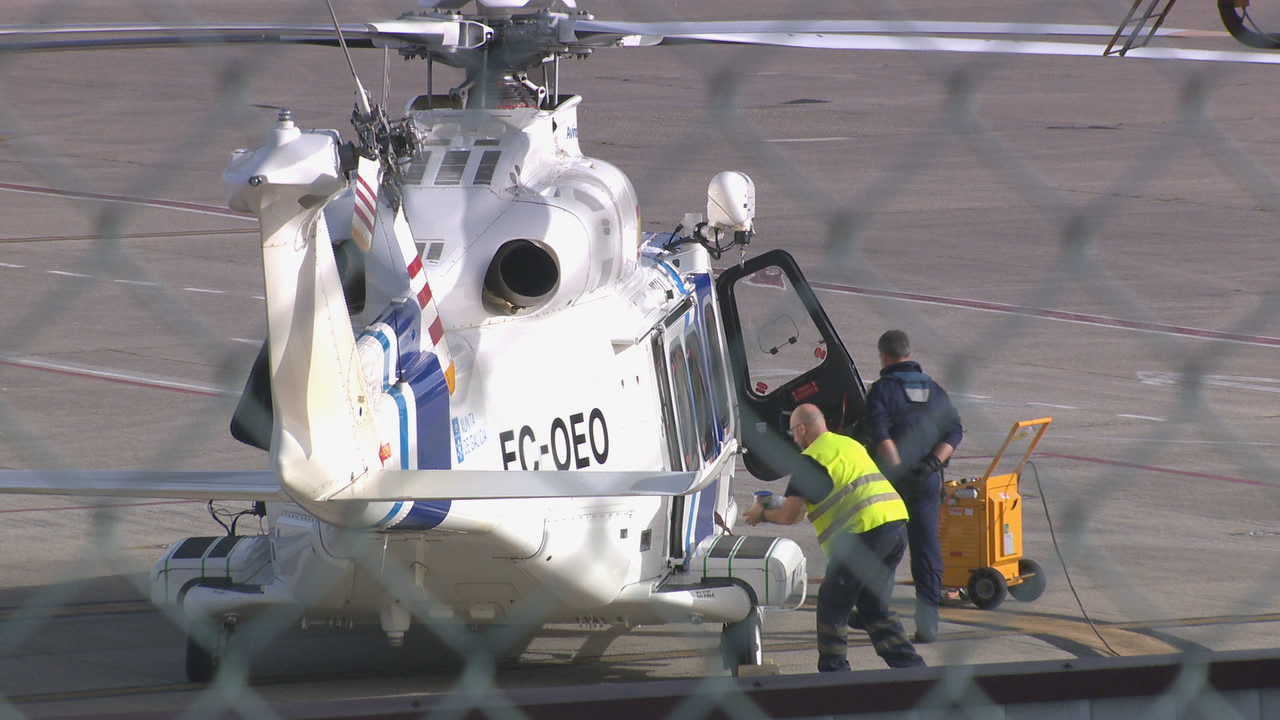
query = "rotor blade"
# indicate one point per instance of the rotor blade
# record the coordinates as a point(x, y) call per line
point(397, 485)
point(408, 32)
point(920, 43)
point(843, 27)
point(185, 484)
point(598, 33)
point(432, 32)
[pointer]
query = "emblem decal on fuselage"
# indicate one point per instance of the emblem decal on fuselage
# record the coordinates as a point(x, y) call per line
point(468, 435)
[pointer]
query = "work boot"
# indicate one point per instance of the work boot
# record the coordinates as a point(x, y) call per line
point(832, 663)
point(926, 627)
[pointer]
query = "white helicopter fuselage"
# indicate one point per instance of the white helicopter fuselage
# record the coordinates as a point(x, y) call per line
point(574, 346)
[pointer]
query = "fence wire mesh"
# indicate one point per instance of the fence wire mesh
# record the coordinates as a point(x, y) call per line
point(1087, 238)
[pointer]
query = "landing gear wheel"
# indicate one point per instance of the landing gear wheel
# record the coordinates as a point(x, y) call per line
point(742, 642)
point(1033, 581)
point(203, 662)
point(987, 588)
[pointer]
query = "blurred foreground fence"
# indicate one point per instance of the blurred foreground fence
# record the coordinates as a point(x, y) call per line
point(967, 217)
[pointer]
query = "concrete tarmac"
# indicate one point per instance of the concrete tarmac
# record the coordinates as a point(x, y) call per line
point(1087, 238)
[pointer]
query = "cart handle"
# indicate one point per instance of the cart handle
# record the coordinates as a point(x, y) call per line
point(1017, 432)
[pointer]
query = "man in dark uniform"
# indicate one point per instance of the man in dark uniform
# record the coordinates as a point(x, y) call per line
point(859, 520)
point(912, 429)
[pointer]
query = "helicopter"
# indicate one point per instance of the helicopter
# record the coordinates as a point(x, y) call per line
point(447, 443)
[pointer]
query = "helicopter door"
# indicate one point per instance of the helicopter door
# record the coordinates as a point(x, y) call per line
point(784, 352)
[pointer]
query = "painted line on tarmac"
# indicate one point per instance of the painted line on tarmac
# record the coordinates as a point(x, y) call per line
point(118, 692)
point(1056, 315)
point(98, 507)
point(121, 607)
point(1133, 466)
point(126, 199)
point(1128, 638)
point(1253, 384)
point(1153, 468)
point(809, 140)
point(138, 283)
point(1125, 641)
point(126, 236)
point(155, 383)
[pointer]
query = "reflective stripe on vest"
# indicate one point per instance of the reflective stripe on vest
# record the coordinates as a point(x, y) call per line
point(860, 500)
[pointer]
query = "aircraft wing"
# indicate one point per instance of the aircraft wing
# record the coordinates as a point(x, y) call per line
point(395, 485)
point(180, 484)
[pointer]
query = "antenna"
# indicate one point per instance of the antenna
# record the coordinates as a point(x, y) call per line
point(362, 96)
point(386, 73)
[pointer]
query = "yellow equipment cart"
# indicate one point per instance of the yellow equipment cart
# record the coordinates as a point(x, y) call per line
point(980, 528)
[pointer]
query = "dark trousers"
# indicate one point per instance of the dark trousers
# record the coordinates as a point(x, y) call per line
point(924, 503)
point(860, 574)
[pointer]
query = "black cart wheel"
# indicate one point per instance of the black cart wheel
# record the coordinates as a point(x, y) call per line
point(1033, 581)
point(987, 588)
point(742, 642)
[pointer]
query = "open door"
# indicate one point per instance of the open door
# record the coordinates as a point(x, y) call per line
point(783, 352)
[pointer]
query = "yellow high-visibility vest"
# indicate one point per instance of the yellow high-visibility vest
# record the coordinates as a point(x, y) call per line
point(860, 500)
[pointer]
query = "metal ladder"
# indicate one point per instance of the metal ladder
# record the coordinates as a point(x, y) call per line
point(1135, 36)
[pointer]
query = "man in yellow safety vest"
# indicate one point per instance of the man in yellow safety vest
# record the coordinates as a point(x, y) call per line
point(860, 521)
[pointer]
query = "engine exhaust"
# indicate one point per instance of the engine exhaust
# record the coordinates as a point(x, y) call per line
point(522, 277)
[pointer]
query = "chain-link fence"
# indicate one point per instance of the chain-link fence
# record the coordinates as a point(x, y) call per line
point(1070, 236)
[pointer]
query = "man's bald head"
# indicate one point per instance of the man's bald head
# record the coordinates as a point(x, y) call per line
point(807, 423)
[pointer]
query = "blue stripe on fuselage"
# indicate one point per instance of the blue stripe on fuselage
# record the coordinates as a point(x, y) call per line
point(431, 390)
point(674, 276)
point(430, 393)
point(403, 407)
point(388, 362)
point(426, 379)
point(394, 511)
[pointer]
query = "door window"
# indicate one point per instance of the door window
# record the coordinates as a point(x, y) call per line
point(780, 339)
